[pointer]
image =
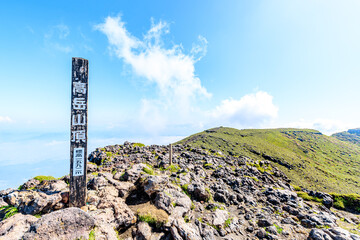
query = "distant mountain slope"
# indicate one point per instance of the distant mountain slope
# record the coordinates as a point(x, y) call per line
point(352, 135)
point(309, 158)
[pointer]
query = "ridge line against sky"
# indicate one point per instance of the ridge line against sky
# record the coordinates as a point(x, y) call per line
point(164, 70)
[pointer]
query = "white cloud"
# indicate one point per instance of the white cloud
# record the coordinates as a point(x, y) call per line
point(326, 126)
point(56, 38)
point(252, 110)
point(5, 119)
point(169, 69)
point(172, 72)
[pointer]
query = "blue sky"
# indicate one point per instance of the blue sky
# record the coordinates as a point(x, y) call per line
point(162, 70)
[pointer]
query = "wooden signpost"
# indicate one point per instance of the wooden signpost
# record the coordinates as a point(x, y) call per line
point(78, 136)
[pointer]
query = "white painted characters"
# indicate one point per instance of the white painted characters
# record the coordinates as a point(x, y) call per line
point(79, 104)
point(78, 169)
point(78, 136)
point(79, 119)
point(79, 87)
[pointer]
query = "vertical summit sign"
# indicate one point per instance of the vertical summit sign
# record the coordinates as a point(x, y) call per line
point(78, 136)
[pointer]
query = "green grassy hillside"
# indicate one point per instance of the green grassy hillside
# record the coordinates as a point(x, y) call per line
point(352, 135)
point(309, 158)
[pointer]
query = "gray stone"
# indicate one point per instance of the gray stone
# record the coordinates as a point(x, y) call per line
point(15, 226)
point(97, 182)
point(32, 202)
point(31, 183)
point(134, 173)
point(53, 186)
point(264, 222)
point(122, 214)
point(338, 233)
point(154, 184)
point(206, 232)
point(2, 202)
point(186, 231)
point(318, 234)
point(70, 223)
point(261, 233)
point(219, 217)
point(143, 231)
point(198, 191)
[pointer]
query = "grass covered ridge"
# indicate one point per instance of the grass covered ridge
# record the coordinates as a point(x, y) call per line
point(309, 158)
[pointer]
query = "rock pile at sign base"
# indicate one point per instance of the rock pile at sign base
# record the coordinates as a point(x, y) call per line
point(133, 193)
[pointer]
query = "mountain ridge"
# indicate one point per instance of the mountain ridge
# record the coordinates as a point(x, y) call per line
point(351, 135)
point(308, 157)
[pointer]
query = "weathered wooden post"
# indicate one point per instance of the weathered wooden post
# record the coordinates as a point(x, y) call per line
point(170, 155)
point(78, 136)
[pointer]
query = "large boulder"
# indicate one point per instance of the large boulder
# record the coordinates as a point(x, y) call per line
point(186, 230)
point(155, 184)
point(30, 184)
point(134, 173)
point(15, 226)
point(53, 186)
point(32, 202)
point(120, 214)
point(70, 223)
point(143, 231)
point(198, 191)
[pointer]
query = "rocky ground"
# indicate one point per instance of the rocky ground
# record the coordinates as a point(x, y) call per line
point(134, 193)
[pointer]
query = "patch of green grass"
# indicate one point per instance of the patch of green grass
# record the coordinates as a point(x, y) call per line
point(210, 198)
point(109, 154)
point(45, 178)
point(185, 189)
point(186, 218)
point(151, 220)
point(8, 211)
point(173, 168)
point(307, 197)
point(278, 229)
point(296, 188)
point(346, 201)
point(114, 171)
point(228, 222)
point(322, 226)
point(138, 145)
point(37, 215)
point(278, 212)
point(92, 235)
point(253, 178)
point(149, 171)
point(208, 165)
point(217, 207)
point(213, 226)
point(260, 169)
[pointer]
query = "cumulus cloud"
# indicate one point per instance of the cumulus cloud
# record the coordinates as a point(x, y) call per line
point(5, 119)
point(326, 126)
point(171, 70)
point(252, 110)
